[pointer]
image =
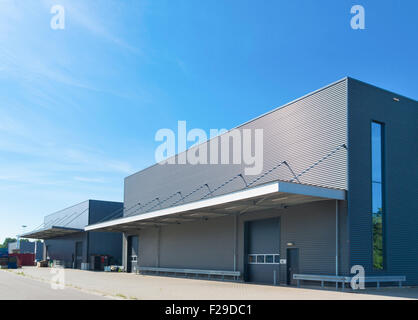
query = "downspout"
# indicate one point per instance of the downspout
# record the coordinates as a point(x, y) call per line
point(44, 253)
point(336, 237)
point(36, 244)
point(235, 241)
point(88, 248)
point(158, 246)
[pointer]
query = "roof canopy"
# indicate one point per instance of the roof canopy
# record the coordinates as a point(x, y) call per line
point(277, 194)
point(50, 232)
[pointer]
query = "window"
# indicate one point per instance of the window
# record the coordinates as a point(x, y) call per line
point(276, 258)
point(252, 258)
point(262, 258)
point(269, 258)
point(377, 195)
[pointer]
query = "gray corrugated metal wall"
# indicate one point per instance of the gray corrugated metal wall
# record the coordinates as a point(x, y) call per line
point(106, 243)
point(104, 210)
point(209, 244)
point(311, 227)
point(63, 248)
point(202, 244)
point(301, 133)
point(367, 103)
point(109, 243)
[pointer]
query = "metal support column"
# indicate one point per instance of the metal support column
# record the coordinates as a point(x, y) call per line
point(44, 253)
point(125, 251)
point(35, 249)
point(158, 246)
point(336, 237)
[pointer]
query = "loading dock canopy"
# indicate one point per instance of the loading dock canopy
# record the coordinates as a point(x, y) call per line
point(278, 194)
point(50, 232)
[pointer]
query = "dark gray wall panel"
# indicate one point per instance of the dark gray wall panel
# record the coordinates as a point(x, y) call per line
point(106, 243)
point(311, 227)
point(103, 210)
point(262, 236)
point(63, 248)
point(343, 241)
point(301, 133)
point(148, 247)
point(202, 245)
point(210, 244)
point(367, 103)
point(78, 216)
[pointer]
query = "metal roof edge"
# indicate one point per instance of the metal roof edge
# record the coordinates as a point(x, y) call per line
point(264, 189)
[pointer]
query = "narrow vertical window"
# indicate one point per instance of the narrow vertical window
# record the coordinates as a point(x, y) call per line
point(377, 195)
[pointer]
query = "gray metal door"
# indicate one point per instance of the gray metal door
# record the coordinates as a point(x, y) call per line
point(292, 255)
point(263, 251)
point(78, 254)
point(132, 253)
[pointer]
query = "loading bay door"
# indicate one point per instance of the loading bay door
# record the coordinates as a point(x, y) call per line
point(262, 241)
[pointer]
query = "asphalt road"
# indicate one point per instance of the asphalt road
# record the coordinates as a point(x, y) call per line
point(18, 287)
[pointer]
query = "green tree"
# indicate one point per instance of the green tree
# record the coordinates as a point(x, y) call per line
point(6, 242)
point(378, 240)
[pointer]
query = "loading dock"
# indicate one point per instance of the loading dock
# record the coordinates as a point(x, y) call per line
point(66, 243)
point(256, 214)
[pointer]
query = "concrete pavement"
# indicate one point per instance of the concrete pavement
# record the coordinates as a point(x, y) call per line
point(15, 286)
point(131, 286)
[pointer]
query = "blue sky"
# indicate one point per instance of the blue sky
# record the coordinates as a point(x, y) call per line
point(79, 107)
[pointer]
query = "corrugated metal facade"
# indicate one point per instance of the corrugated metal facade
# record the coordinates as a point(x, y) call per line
point(300, 133)
point(104, 210)
point(366, 104)
point(63, 248)
point(209, 244)
point(76, 216)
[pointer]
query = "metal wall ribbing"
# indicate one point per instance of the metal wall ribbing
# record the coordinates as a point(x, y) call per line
point(300, 133)
point(76, 216)
point(366, 104)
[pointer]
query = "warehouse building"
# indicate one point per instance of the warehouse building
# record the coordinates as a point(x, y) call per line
point(338, 189)
point(68, 244)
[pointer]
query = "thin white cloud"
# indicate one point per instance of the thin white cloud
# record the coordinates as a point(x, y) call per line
point(92, 180)
point(37, 163)
point(38, 63)
point(46, 155)
point(87, 15)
